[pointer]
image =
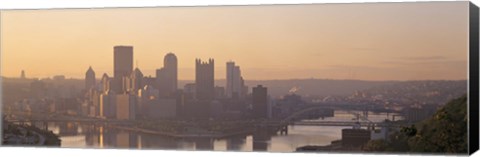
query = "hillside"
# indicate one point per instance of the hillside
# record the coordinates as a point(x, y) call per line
point(444, 132)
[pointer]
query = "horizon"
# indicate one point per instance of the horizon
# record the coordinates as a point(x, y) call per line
point(332, 41)
point(223, 79)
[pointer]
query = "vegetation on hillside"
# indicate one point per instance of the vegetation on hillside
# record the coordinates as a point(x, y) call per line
point(25, 135)
point(444, 132)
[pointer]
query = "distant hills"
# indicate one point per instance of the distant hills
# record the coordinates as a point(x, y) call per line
point(277, 88)
point(316, 87)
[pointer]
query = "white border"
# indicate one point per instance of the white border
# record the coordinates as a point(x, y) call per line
point(44, 4)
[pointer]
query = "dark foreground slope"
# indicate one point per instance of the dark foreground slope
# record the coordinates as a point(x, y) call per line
point(444, 132)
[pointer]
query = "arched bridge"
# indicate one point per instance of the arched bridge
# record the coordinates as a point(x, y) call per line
point(296, 117)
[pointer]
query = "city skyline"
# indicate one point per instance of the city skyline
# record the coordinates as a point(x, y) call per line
point(270, 78)
point(327, 42)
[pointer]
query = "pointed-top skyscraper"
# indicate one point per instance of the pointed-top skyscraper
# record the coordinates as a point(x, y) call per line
point(90, 79)
point(137, 80)
point(105, 82)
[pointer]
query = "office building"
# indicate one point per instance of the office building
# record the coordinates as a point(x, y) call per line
point(167, 76)
point(189, 90)
point(219, 92)
point(122, 67)
point(162, 108)
point(126, 105)
point(204, 80)
point(136, 81)
point(235, 87)
point(105, 81)
point(90, 79)
point(260, 102)
point(171, 69)
point(108, 105)
point(22, 75)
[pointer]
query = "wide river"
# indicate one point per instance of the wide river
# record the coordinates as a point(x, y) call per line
point(78, 136)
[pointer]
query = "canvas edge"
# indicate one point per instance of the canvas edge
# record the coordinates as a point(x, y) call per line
point(473, 81)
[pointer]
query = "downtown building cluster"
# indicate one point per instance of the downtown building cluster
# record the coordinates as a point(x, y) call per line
point(129, 95)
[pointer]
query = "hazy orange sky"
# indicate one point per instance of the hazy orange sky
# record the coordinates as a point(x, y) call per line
point(378, 41)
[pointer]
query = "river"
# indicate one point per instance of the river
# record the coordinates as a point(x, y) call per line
point(74, 135)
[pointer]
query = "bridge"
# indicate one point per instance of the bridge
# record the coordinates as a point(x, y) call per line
point(355, 106)
point(277, 125)
point(345, 123)
point(281, 124)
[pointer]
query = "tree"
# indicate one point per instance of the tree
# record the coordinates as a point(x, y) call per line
point(444, 132)
point(375, 146)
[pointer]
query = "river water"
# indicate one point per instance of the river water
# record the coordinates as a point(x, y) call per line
point(78, 136)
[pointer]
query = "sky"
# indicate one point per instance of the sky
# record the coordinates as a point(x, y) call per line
point(377, 41)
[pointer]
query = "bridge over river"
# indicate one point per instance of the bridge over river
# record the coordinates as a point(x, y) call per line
point(247, 126)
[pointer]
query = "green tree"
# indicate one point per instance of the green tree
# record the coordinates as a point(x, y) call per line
point(444, 132)
point(375, 146)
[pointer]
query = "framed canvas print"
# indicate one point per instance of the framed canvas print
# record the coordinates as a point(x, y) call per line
point(369, 78)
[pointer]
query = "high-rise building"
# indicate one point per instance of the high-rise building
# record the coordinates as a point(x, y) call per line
point(204, 80)
point(22, 75)
point(229, 81)
point(235, 86)
point(162, 108)
point(122, 67)
point(189, 90)
point(136, 81)
point(108, 105)
point(171, 68)
point(162, 82)
point(90, 79)
point(260, 102)
point(123, 61)
point(219, 92)
point(167, 76)
point(37, 89)
point(105, 82)
point(126, 105)
point(149, 80)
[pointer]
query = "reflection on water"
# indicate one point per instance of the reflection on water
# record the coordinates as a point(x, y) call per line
point(76, 135)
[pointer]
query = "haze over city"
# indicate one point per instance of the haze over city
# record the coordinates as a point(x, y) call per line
point(382, 77)
point(365, 42)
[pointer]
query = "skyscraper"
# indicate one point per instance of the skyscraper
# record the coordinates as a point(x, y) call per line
point(122, 66)
point(105, 82)
point(167, 77)
point(136, 81)
point(125, 106)
point(22, 75)
point(162, 82)
point(229, 86)
point(260, 102)
point(234, 87)
point(204, 79)
point(171, 68)
point(90, 79)
point(108, 105)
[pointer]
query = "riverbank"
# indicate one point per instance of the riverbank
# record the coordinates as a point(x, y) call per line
point(334, 146)
point(184, 134)
point(26, 135)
